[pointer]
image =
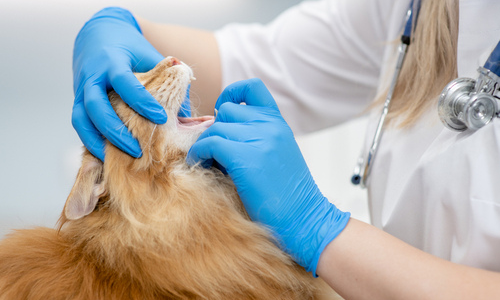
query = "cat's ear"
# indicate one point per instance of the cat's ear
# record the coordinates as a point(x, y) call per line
point(87, 189)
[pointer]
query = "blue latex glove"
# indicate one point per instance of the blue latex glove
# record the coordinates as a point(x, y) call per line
point(258, 150)
point(108, 48)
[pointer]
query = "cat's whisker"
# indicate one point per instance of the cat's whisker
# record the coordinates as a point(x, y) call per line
point(165, 153)
point(185, 111)
point(149, 145)
point(135, 66)
point(129, 119)
point(125, 123)
point(194, 95)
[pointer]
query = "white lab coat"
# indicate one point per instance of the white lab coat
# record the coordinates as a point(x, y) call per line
point(324, 61)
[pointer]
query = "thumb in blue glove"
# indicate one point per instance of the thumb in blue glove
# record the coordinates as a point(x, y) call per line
point(108, 49)
point(259, 152)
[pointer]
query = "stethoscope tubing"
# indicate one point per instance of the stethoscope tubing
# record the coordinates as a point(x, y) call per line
point(363, 167)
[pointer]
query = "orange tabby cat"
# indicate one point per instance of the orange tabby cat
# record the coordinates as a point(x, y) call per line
point(153, 227)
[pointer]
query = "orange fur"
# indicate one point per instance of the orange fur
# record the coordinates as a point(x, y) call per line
point(153, 227)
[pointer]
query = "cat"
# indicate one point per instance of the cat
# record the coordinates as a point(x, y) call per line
point(152, 227)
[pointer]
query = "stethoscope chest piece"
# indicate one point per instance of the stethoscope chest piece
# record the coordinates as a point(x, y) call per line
point(448, 108)
point(467, 104)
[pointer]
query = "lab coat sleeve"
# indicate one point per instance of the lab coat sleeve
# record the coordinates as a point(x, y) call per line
point(321, 60)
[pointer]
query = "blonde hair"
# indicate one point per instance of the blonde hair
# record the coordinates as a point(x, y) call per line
point(429, 64)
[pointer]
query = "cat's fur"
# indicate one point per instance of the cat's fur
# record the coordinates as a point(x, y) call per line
point(153, 227)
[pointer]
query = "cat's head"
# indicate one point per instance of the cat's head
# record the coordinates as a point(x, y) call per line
point(168, 83)
point(163, 146)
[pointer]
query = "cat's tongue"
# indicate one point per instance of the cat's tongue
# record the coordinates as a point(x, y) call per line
point(195, 123)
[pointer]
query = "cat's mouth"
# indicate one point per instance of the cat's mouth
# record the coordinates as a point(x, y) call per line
point(191, 123)
point(180, 76)
point(196, 123)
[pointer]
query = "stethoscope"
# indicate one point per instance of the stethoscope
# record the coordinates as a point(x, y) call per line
point(464, 103)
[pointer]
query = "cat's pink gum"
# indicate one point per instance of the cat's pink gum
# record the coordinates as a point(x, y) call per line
point(195, 123)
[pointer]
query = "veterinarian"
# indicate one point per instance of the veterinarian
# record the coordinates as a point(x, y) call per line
point(433, 192)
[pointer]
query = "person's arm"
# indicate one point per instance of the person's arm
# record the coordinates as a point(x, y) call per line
point(321, 60)
point(195, 47)
point(364, 262)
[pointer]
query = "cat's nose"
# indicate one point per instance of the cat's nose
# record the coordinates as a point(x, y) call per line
point(173, 61)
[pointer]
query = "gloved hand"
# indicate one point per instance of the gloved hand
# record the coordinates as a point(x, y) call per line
point(108, 48)
point(258, 150)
